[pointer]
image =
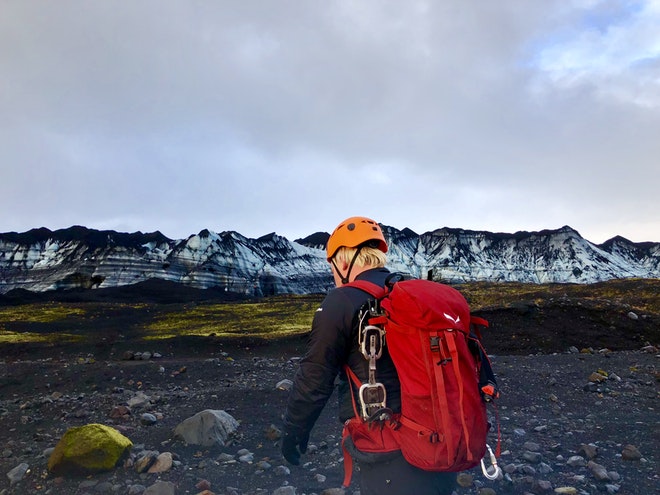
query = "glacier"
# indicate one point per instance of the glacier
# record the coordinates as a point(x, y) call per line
point(81, 258)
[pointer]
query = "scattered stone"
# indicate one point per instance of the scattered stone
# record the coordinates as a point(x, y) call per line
point(282, 471)
point(333, 491)
point(180, 371)
point(284, 385)
point(203, 485)
point(224, 457)
point(163, 463)
point(533, 457)
point(88, 484)
point(145, 461)
point(273, 433)
point(148, 419)
point(599, 472)
point(120, 412)
point(631, 453)
point(18, 473)
point(104, 487)
point(465, 480)
point(633, 316)
point(591, 387)
point(161, 488)
point(140, 399)
point(532, 446)
point(544, 486)
point(285, 490)
point(136, 489)
point(590, 450)
point(576, 461)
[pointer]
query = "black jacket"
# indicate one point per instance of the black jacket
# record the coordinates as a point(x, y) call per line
point(333, 342)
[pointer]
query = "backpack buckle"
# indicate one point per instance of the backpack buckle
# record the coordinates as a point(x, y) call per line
point(437, 348)
point(490, 392)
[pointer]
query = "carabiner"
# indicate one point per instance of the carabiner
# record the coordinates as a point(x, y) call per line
point(496, 470)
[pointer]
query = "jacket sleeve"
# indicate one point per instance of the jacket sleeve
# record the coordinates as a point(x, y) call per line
point(328, 347)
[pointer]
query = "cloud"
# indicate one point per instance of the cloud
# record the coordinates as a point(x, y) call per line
point(614, 51)
point(180, 116)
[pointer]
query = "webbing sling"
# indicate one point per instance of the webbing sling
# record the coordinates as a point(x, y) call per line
point(438, 390)
point(451, 343)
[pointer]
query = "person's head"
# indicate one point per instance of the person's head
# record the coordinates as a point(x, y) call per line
point(357, 244)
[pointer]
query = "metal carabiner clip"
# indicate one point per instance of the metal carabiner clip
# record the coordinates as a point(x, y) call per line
point(493, 472)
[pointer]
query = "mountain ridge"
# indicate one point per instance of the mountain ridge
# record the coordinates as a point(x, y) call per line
point(80, 257)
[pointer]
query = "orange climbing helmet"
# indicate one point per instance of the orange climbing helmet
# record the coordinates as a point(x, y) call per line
point(353, 232)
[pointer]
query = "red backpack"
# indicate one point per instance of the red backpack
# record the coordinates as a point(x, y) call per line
point(446, 378)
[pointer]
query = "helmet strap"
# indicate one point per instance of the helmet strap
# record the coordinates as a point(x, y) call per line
point(345, 279)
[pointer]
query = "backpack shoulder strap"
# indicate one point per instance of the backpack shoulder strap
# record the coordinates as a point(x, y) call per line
point(370, 288)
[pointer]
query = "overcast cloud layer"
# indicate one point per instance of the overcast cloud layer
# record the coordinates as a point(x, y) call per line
point(289, 116)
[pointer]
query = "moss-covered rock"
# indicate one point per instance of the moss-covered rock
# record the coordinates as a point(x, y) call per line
point(88, 449)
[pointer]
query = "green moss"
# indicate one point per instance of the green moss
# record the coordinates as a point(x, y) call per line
point(90, 448)
point(641, 295)
point(266, 319)
point(40, 313)
point(12, 337)
point(281, 316)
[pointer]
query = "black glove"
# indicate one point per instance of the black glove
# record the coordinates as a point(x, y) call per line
point(293, 445)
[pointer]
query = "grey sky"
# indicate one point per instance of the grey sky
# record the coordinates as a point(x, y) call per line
point(288, 116)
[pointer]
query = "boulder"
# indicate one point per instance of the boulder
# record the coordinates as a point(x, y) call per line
point(206, 428)
point(161, 488)
point(88, 449)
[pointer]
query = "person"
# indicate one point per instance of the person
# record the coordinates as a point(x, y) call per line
point(356, 250)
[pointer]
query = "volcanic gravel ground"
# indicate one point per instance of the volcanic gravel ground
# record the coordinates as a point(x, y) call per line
point(550, 409)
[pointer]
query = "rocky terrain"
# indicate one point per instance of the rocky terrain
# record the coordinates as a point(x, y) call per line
point(578, 412)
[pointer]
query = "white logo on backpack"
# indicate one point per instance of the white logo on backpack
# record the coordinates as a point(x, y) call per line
point(455, 320)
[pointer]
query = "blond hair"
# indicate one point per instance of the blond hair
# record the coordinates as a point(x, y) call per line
point(368, 256)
